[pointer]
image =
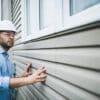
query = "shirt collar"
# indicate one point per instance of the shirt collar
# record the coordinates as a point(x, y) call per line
point(2, 51)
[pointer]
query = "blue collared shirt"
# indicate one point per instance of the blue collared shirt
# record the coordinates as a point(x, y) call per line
point(6, 72)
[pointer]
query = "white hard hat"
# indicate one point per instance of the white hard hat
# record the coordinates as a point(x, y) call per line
point(7, 25)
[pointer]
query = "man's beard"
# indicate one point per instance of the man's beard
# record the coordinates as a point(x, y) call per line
point(5, 46)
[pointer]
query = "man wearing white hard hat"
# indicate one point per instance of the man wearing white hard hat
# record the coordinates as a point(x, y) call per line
point(7, 79)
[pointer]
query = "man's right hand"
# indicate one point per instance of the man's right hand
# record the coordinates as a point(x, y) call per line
point(38, 76)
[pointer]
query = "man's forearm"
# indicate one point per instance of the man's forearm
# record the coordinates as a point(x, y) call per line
point(18, 82)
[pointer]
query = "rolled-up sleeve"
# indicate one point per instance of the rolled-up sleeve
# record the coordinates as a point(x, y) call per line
point(4, 82)
point(4, 74)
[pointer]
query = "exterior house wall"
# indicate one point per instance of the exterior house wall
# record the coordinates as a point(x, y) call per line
point(72, 59)
point(72, 66)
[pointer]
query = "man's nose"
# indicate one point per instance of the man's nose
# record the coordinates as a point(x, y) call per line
point(11, 36)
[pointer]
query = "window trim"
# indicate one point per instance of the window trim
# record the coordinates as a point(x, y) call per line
point(91, 15)
point(23, 20)
point(24, 35)
point(0, 10)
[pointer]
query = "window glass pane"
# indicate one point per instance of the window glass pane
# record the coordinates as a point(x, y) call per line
point(47, 13)
point(28, 16)
point(79, 5)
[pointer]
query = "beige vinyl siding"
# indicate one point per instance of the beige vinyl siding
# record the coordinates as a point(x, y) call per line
point(73, 71)
point(16, 18)
point(72, 59)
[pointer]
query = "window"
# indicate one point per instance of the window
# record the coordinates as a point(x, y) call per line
point(44, 17)
point(81, 13)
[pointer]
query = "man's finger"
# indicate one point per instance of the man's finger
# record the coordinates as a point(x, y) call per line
point(43, 76)
point(42, 70)
point(28, 66)
point(42, 79)
point(29, 74)
point(42, 67)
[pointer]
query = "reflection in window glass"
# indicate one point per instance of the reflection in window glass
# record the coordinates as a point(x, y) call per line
point(79, 5)
point(47, 13)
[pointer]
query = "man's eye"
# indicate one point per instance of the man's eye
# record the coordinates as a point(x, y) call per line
point(9, 35)
point(6, 34)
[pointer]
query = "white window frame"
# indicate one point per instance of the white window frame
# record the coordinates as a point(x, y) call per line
point(91, 14)
point(65, 20)
point(34, 25)
point(37, 33)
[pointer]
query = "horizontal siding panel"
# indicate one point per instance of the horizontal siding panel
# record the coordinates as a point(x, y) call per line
point(39, 95)
point(18, 26)
point(79, 39)
point(16, 8)
point(23, 94)
point(19, 29)
point(49, 93)
point(18, 42)
point(18, 15)
point(72, 92)
point(29, 95)
point(18, 23)
point(13, 3)
point(81, 57)
point(20, 95)
point(18, 36)
point(70, 74)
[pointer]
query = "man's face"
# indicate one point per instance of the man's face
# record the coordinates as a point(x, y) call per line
point(7, 39)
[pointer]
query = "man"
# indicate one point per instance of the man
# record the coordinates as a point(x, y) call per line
point(7, 81)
